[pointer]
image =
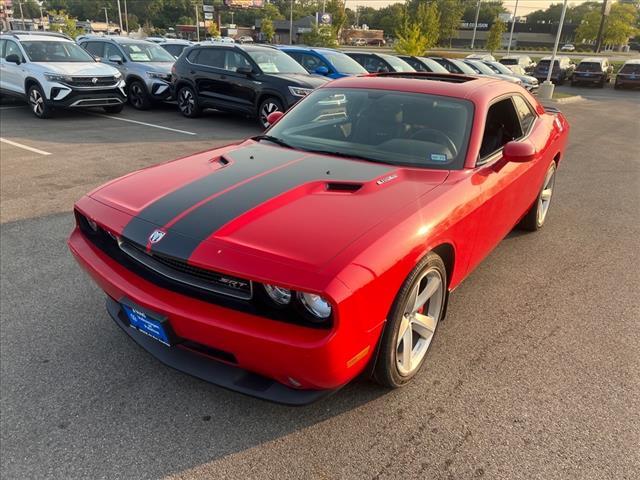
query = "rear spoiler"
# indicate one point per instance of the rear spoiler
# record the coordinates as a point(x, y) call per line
point(551, 109)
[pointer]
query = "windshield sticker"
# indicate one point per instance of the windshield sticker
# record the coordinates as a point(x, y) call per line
point(268, 67)
point(139, 57)
point(438, 157)
point(135, 48)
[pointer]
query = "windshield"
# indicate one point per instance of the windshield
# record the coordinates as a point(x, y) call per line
point(509, 61)
point(385, 126)
point(463, 67)
point(433, 65)
point(589, 67)
point(480, 67)
point(398, 64)
point(499, 68)
point(275, 61)
point(51, 51)
point(546, 63)
point(146, 52)
point(631, 68)
point(344, 63)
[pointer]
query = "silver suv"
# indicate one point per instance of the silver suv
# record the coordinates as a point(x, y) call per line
point(49, 71)
point(145, 66)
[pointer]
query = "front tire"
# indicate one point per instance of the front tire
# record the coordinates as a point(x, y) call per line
point(188, 102)
point(38, 102)
point(268, 106)
point(138, 97)
point(412, 322)
point(537, 214)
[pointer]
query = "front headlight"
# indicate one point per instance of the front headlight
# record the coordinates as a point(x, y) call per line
point(315, 304)
point(117, 75)
point(281, 296)
point(300, 92)
point(160, 76)
point(58, 77)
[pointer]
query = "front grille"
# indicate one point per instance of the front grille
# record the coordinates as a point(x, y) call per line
point(87, 82)
point(181, 271)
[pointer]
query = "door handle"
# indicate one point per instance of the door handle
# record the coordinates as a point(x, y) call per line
point(192, 72)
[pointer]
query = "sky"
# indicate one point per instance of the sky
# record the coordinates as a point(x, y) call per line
point(524, 6)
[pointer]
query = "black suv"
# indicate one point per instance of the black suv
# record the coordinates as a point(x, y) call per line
point(595, 70)
point(251, 79)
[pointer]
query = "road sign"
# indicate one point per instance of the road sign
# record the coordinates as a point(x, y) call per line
point(207, 8)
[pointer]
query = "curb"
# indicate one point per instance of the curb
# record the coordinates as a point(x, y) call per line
point(575, 98)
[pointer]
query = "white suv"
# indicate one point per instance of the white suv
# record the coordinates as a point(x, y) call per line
point(49, 70)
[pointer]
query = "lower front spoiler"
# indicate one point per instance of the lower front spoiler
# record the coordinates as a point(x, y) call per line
point(215, 372)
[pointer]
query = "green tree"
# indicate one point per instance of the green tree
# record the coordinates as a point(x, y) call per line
point(320, 36)
point(267, 29)
point(450, 15)
point(428, 19)
point(618, 26)
point(410, 40)
point(494, 40)
point(339, 17)
point(68, 27)
point(488, 11)
point(213, 29)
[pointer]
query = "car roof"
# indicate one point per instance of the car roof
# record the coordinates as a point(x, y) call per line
point(633, 61)
point(558, 57)
point(448, 85)
point(514, 57)
point(39, 36)
point(593, 59)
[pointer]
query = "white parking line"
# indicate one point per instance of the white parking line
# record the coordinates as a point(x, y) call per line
point(15, 106)
point(25, 147)
point(145, 124)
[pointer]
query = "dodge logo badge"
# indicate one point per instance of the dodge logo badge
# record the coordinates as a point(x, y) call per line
point(156, 236)
point(94, 80)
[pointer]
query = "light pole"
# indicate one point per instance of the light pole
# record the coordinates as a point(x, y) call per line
point(126, 17)
point(106, 19)
point(120, 16)
point(22, 16)
point(291, 24)
point(546, 89)
point(197, 22)
point(513, 24)
point(475, 25)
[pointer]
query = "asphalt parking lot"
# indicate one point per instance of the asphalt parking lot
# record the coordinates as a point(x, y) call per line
point(534, 374)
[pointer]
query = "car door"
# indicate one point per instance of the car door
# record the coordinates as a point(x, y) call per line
point(508, 188)
point(238, 89)
point(12, 75)
point(207, 75)
point(311, 63)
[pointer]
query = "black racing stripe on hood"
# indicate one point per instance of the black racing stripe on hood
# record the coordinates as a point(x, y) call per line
point(245, 163)
point(211, 216)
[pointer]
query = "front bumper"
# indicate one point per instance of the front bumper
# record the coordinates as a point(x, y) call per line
point(627, 81)
point(295, 364)
point(89, 98)
point(581, 78)
point(159, 90)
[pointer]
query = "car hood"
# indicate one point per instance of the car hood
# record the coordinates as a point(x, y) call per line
point(265, 201)
point(162, 67)
point(302, 79)
point(78, 68)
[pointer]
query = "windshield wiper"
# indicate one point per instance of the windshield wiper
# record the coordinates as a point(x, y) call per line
point(271, 139)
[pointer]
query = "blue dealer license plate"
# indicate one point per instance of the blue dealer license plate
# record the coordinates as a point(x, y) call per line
point(144, 323)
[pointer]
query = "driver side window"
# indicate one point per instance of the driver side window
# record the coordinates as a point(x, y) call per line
point(12, 48)
point(501, 127)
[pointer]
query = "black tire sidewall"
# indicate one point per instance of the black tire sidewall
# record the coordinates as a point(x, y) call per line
point(145, 103)
point(386, 370)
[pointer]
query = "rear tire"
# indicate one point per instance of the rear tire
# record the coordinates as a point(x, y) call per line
point(138, 96)
point(38, 102)
point(188, 102)
point(268, 106)
point(537, 214)
point(412, 323)
point(113, 108)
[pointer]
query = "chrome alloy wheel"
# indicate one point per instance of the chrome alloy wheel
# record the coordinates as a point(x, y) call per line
point(422, 313)
point(545, 195)
point(37, 102)
point(267, 109)
point(186, 102)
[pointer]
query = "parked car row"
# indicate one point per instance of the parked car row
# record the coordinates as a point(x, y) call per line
point(50, 71)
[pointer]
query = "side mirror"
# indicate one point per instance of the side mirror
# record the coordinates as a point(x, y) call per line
point(13, 58)
point(116, 59)
point(273, 117)
point(322, 70)
point(519, 151)
point(245, 70)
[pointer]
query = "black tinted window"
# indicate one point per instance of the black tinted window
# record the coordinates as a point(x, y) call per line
point(631, 68)
point(174, 50)
point(525, 113)
point(502, 126)
point(192, 56)
point(235, 60)
point(590, 67)
point(212, 57)
point(94, 48)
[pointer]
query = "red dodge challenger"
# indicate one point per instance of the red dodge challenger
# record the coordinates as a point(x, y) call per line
point(285, 265)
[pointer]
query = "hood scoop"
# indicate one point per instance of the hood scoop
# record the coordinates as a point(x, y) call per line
point(220, 160)
point(344, 187)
